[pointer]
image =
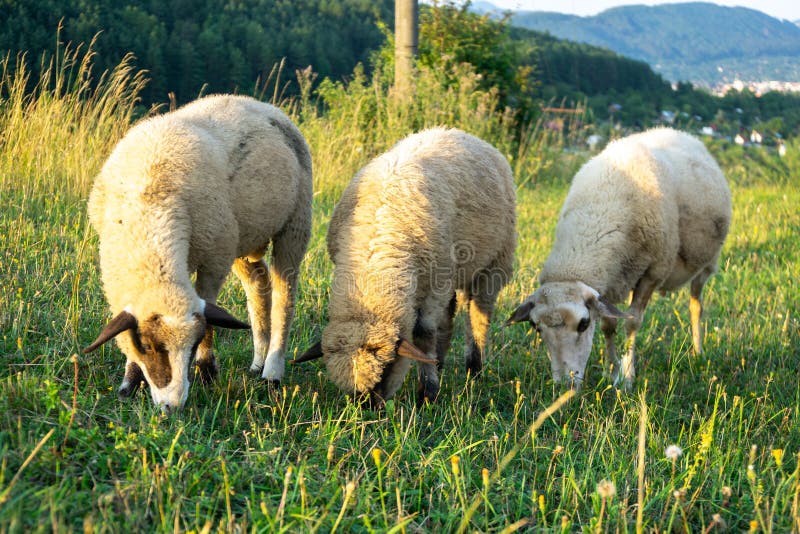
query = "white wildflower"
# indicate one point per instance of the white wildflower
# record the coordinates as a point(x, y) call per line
point(673, 452)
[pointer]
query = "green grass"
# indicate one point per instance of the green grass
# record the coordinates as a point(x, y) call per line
point(240, 457)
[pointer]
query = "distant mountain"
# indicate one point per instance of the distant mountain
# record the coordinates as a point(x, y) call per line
point(698, 41)
point(484, 7)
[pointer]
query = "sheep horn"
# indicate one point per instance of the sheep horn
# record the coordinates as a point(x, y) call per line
point(123, 321)
point(607, 309)
point(410, 351)
point(311, 354)
point(522, 313)
point(216, 316)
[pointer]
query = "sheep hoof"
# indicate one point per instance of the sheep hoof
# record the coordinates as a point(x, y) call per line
point(376, 401)
point(474, 368)
point(273, 384)
point(255, 370)
point(623, 384)
point(127, 389)
point(474, 361)
point(207, 370)
point(427, 392)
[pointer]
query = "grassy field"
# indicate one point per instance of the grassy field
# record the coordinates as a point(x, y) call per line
point(488, 456)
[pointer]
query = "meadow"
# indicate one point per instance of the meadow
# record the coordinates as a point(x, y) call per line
point(702, 443)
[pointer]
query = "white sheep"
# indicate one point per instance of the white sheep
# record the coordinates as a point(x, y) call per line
point(648, 213)
point(197, 190)
point(434, 215)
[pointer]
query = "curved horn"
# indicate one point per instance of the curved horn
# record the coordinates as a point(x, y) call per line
point(607, 309)
point(216, 316)
point(123, 321)
point(408, 350)
point(522, 313)
point(313, 353)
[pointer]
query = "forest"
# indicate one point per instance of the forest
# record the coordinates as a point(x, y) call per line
point(191, 47)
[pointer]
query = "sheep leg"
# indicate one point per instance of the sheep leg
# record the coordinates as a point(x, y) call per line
point(209, 282)
point(481, 306)
point(444, 333)
point(425, 338)
point(134, 377)
point(288, 249)
point(641, 296)
point(207, 368)
point(609, 327)
point(254, 276)
point(696, 308)
point(391, 381)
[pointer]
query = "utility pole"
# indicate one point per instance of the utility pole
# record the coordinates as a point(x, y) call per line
point(406, 40)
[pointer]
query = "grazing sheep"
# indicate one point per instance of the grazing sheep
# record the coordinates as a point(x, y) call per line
point(197, 190)
point(434, 215)
point(649, 212)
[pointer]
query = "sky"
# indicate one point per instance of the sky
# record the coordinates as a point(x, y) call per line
point(781, 9)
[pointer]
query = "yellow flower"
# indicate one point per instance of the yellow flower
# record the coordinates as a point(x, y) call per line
point(454, 464)
point(376, 457)
point(778, 455)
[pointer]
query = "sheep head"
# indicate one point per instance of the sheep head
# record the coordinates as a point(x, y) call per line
point(164, 347)
point(365, 358)
point(565, 315)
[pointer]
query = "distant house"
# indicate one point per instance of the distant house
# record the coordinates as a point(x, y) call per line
point(781, 148)
point(739, 140)
point(755, 137)
point(593, 140)
point(707, 130)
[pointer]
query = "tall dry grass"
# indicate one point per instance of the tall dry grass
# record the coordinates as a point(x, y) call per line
point(54, 138)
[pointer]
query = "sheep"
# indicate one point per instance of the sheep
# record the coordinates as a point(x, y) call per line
point(433, 216)
point(650, 212)
point(198, 190)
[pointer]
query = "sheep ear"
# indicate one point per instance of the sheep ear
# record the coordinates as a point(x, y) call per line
point(313, 353)
point(216, 316)
point(123, 321)
point(606, 309)
point(408, 350)
point(522, 313)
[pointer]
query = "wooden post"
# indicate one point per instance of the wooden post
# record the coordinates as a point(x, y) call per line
point(406, 40)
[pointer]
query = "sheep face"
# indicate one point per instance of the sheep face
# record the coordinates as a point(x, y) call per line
point(363, 358)
point(565, 315)
point(164, 348)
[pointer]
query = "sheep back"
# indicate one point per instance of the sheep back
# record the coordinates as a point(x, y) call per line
point(413, 226)
point(655, 201)
point(192, 188)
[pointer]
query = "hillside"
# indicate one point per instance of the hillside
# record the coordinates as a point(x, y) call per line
point(697, 41)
